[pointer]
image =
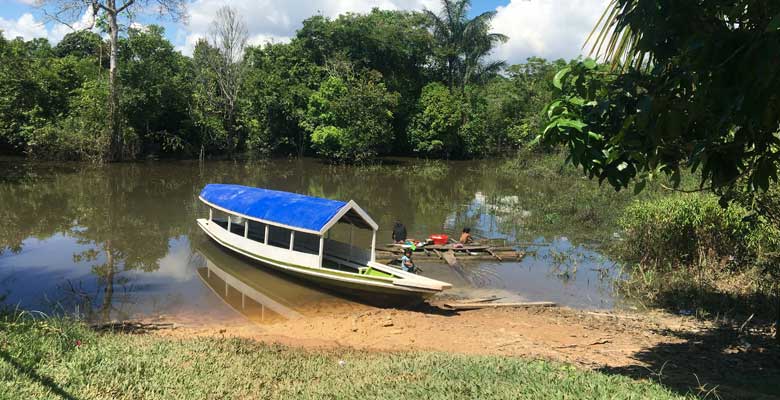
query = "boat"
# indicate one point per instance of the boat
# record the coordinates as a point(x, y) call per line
point(290, 233)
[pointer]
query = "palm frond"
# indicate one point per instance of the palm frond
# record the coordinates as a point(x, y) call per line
point(615, 41)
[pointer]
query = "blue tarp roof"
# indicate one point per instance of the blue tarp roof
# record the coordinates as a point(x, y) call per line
point(291, 209)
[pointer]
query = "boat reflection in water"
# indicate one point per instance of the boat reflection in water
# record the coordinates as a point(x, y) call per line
point(262, 296)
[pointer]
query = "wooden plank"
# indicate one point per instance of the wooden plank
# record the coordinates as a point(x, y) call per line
point(477, 300)
point(452, 261)
point(451, 247)
point(474, 306)
point(449, 257)
point(494, 255)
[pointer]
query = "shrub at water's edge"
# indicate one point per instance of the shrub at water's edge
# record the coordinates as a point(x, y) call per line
point(44, 357)
point(689, 252)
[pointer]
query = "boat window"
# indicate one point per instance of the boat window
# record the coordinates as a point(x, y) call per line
point(306, 243)
point(279, 237)
point(220, 218)
point(237, 225)
point(257, 231)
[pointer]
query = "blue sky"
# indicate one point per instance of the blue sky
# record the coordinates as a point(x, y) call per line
point(545, 28)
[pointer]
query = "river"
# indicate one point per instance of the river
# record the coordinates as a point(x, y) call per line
point(120, 240)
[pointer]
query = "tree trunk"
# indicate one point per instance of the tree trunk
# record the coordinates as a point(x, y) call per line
point(777, 310)
point(116, 147)
point(108, 293)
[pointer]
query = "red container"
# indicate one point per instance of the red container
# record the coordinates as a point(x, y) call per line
point(439, 238)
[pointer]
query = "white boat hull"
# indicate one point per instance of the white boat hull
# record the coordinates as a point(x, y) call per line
point(307, 266)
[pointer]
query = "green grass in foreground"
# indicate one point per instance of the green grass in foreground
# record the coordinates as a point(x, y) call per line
point(40, 359)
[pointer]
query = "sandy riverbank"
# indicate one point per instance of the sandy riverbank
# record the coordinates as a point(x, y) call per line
point(679, 350)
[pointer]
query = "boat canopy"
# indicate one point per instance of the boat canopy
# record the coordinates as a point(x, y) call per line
point(289, 210)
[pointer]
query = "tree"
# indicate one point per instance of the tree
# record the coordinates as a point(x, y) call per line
point(280, 80)
point(692, 86)
point(398, 44)
point(37, 90)
point(82, 44)
point(349, 116)
point(434, 131)
point(462, 43)
point(228, 36)
point(206, 110)
point(157, 88)
point(69, 11)
point(700, 96)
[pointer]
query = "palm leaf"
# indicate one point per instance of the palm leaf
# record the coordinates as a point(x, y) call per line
point(615, 41)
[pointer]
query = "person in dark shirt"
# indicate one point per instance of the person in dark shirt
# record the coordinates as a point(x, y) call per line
point(399, 232)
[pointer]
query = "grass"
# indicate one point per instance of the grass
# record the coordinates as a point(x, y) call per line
point(58, 358)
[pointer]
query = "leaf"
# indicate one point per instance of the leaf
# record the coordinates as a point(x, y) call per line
point(640, 186)
point(557, 80)
point(589, 63)
point(774, 24)
point(570, 123)
point(551, 109)
point(536, 141)
point(675, 178)
point(595, 136)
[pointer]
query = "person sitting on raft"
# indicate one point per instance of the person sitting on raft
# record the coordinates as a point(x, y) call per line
point(465, 237)
point(406, 261)
point(399, 232)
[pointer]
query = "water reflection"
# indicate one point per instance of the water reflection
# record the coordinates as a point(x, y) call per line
point(258, 294)
point(120, 240)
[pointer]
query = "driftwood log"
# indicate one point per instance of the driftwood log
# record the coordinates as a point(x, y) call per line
point(487, 304)
point(131, 326)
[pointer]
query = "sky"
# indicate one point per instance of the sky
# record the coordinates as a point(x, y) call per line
point(536, 28)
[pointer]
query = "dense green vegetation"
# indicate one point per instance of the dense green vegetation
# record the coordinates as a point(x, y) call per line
point(56, 358)
point(681, 96)
point(347, 89)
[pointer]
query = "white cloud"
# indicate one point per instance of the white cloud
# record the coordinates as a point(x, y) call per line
point(277, 20)
point(545, 28)
point(30, 28)
point(26, 26)
point(138, 26)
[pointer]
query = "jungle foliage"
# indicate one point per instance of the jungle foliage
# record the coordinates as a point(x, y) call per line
point(348, 89)
point(685, 87)
point(678, 95)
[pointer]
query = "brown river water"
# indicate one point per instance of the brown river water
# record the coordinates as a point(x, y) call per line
point(120, 241)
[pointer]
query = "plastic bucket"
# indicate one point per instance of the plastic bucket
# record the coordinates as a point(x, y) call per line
point(439, 238)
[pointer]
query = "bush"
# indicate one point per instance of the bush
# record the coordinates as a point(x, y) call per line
point(686, 229)
point(81, 135)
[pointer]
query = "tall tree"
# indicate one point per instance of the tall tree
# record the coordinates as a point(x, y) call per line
point(228, 35)
point(69, 11)
point(463, 43)
point(350, 116)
